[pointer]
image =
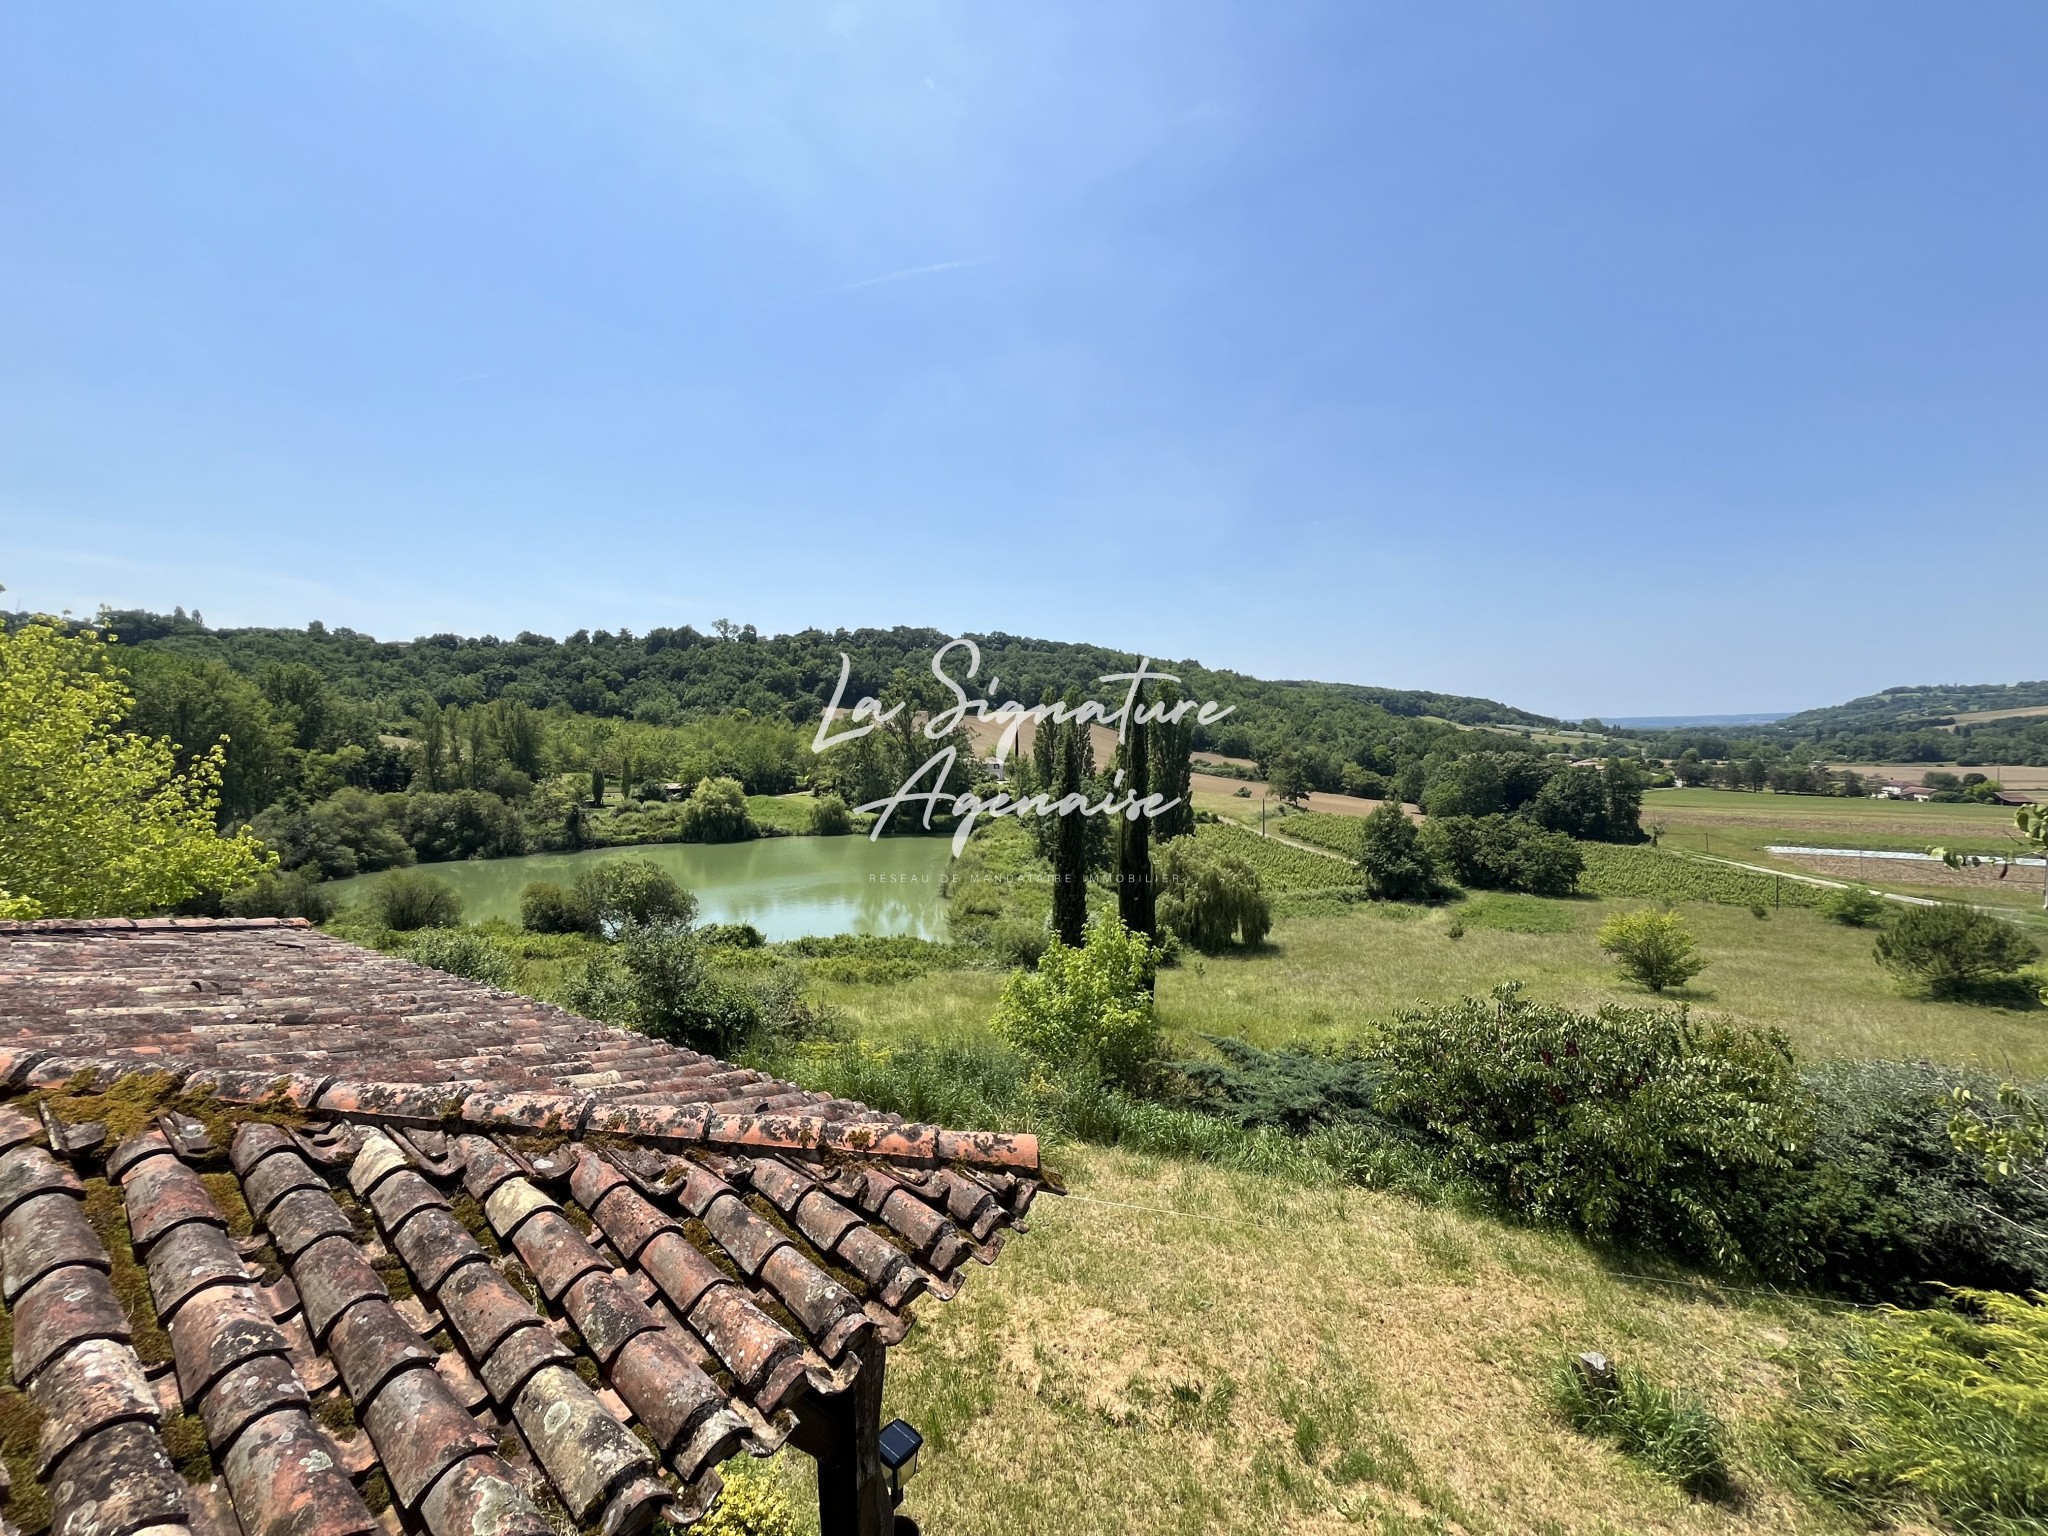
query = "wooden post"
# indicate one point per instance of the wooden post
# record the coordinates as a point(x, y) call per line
point(842, 1434)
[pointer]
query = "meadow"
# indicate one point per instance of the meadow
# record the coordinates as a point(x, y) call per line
point(1327, 974)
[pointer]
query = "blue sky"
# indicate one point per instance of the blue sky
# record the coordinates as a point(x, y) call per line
point(1611, 359)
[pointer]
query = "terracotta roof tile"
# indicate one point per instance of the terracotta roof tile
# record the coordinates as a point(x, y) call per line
point(754, 1245)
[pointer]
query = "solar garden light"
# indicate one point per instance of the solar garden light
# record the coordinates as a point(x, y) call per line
point(899, 1445)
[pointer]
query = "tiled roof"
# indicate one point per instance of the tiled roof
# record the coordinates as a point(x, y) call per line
point(274, 1261)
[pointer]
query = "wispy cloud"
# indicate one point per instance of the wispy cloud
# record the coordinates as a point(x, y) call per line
point(897, 277)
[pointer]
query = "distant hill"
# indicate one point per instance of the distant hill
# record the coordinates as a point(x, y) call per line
point(1973, 724)
point(669, 675)
point(1924, 707)
point(1676, 722)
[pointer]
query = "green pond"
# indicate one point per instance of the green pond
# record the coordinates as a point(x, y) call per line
point(788, 887)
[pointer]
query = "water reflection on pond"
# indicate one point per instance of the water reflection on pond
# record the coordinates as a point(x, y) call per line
point(787, 887)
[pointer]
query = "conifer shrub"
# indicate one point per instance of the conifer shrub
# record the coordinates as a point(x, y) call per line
point(1942, 1412)
point(1954, 951)
point(1853, 907)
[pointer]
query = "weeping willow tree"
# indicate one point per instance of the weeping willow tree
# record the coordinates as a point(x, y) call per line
point(1210, 900)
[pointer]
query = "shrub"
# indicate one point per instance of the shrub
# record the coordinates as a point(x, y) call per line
point(716, 812)
point(618, 894)
point(1945, 1409)
point(1886, 1205)
point(545, 907)
point(1854, 907)
point(407, 899)
point(460, 952)
point(753, 1503)
point(1637, 1124)
point(1674, 1433)
point(1503, 853)
point(294, 893)
point(1017, 941)
point(1208, 898)
point(733, 935)
point(1951, 951)
point(829, 817)
point(1088, 1008)
point(658, 981)
point(1290, 1089)
point(1651, 948)
point(1392, 862)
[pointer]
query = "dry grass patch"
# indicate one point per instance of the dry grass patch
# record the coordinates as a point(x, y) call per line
point(1234, 1357)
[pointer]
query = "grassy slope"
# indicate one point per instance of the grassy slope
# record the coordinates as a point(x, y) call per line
point(1321, 1360)
point(1307, 1361)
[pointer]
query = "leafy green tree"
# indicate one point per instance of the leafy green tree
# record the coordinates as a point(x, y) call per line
point(1088, 1007)
point(660, 983)
point(282, 893)
point(1362, 783)
point(96, 821)
point(1392, 862)
point(1288, 778)
point(1622, 779)
point(829, 817)
point(615, 895)
point(544, 907)
point(1503, 853)
point(1652, 948)
point(1208, 899)
point(1951, 950)
point(199, 705)
point(348, 833)
point(298, 695)
point(716, 812)
point(464, 824)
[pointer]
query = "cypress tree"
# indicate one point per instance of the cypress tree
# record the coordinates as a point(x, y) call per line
point(1134, 894)
point(1173, 770)
point(1074, 760)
